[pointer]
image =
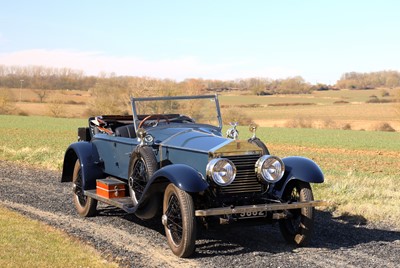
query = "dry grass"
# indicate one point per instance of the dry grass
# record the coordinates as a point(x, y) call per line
point(384, 126)
point(29, 243)
point(70, 110)
point(231, 115)
point(56, 108)
point(292, 104)
point(299, 122)
point(357, 182)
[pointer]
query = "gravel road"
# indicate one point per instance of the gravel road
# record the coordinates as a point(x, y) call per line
point(340, 242)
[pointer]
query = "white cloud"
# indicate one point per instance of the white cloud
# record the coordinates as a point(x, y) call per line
point(93, 62)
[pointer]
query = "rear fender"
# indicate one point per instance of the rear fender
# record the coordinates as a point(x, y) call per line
point(89, 158)
point(298, 168)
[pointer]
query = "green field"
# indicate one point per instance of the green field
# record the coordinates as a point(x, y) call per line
point(36, 140)
point(361, 167)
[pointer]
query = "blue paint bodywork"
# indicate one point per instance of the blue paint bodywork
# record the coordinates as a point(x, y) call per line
point(115, 152)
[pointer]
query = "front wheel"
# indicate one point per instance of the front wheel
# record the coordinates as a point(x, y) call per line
point(85, 205)
point(179, 221)
point(298, 228)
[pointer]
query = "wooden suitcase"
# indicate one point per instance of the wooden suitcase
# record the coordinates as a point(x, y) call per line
point(110, 188)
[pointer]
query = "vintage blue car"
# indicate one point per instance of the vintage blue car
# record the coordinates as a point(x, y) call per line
point(170, 160)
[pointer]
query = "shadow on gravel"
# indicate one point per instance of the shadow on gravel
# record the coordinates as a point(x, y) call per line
point(348, 231)
point(330, 233)
point(154, 224)
point(224, 240)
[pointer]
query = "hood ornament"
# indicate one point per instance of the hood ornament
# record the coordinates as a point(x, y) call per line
point(253, 129)
point(233, 133)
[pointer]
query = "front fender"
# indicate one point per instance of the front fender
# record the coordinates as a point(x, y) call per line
point(298, 168)
point(182, 176)
point(88, 156)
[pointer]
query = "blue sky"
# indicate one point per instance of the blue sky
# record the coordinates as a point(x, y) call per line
point(318, 40)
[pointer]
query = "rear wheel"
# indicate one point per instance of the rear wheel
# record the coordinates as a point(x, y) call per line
point(298, 228)
point(86, 206)
point(179, 221)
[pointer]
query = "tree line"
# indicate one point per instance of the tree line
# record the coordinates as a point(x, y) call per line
point(45, 78)
point(39, 77)
point(354, 80)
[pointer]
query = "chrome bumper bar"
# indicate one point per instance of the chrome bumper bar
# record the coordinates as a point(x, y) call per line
point(258, 208)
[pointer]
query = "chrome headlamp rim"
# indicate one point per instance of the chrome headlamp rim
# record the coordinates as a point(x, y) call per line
point(213, 172)
point(270, 168)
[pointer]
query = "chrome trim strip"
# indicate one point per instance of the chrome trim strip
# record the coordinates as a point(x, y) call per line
point(258, 208)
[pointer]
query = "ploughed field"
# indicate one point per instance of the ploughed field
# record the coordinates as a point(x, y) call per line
point(338, 241)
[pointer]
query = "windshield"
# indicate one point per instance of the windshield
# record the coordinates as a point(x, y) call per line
point(201, 109)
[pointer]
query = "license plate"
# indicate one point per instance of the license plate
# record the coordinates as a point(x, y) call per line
point(251, 214)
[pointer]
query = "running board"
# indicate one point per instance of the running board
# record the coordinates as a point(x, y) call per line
point(124, 203)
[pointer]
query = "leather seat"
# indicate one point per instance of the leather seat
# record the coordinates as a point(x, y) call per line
point(127, 131)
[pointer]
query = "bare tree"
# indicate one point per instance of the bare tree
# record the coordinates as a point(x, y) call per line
point(56, 108)
point(41, 94)
point(7, 106)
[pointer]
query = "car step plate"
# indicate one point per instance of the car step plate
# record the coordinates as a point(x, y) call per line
point(124, 203)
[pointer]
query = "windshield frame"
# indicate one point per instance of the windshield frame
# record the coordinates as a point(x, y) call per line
point(134, 101)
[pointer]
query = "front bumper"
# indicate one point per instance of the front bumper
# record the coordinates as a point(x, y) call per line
point(257, 208)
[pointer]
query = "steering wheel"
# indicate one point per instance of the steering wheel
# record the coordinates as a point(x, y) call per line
point(154, 116)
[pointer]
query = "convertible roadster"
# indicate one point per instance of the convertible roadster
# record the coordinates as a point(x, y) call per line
point(170, 160)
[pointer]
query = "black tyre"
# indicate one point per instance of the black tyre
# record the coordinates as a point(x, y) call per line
point(260, 144)
point(298, 229)
point(86, 206)
point(142, 166)
point(179, 221)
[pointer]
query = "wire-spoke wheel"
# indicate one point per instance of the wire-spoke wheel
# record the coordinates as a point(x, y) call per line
point(179, 221)
point(86, 206)
point(298, 228)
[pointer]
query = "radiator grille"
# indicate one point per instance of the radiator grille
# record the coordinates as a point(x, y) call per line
point(246, 180)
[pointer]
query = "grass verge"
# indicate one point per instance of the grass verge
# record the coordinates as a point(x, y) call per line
point(29, 243)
